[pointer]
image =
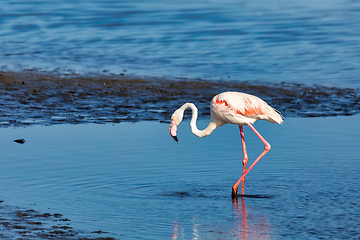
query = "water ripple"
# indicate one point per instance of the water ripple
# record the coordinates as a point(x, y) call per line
point(298, 42)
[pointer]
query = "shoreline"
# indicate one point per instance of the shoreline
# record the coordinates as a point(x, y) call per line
point(31, 97)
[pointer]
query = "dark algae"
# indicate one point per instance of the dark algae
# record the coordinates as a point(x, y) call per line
point(31, 224)
point(32, 97)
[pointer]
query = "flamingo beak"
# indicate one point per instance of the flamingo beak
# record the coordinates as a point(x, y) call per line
point(172, 130)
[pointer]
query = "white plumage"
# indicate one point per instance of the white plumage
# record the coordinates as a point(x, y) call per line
point(241, 109)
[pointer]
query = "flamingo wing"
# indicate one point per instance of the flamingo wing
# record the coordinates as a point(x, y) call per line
point(242, 108)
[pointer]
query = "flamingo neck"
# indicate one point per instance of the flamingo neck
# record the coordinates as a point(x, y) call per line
point(199, 133)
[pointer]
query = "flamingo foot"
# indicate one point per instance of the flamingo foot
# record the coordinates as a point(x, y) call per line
point(234, 193)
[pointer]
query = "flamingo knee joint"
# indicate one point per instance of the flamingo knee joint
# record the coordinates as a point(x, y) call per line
point(267, 147)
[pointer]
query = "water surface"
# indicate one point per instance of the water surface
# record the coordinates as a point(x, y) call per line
point(293, 41)
point(133, 181)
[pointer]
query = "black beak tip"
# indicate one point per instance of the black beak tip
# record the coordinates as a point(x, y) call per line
point(175, 138)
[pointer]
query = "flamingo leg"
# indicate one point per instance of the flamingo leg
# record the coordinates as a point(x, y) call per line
point(245, 160)
point(266, 149)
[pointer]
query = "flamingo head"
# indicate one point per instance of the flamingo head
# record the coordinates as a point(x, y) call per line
point(176, 119)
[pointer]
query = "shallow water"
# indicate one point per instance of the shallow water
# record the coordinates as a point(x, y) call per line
point(133, 181)
point(272, 41)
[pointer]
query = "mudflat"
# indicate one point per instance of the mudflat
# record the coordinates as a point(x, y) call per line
point(33, 97)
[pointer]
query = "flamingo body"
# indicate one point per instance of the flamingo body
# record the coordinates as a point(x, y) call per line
point(231, 107)
point(242, 109)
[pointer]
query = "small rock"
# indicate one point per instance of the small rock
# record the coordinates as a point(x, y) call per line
point(21, 141)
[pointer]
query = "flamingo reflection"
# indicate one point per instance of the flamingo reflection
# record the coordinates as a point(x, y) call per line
point(176, 230)
point(249, 226)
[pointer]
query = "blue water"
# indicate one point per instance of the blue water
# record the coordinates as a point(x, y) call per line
point(312, 42)
point(134, 182)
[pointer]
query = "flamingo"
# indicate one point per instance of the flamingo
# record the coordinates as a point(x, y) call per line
point(236, 108)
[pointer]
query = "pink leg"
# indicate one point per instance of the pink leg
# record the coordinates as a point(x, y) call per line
point(266, 149)
point(245, 160)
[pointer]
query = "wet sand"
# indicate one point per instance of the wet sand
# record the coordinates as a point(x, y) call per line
point(32, 97)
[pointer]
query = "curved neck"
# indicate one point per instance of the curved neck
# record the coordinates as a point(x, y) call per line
point(199, 133)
